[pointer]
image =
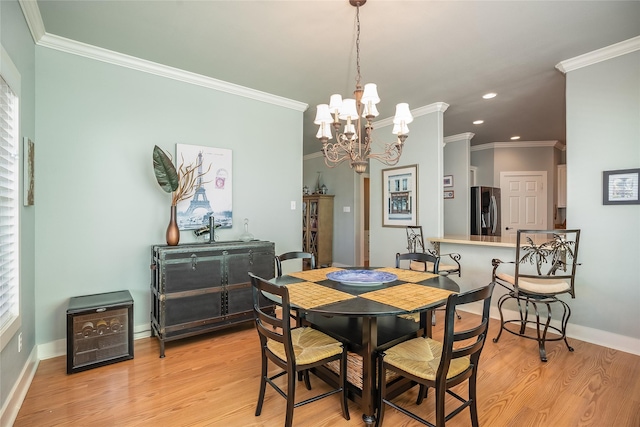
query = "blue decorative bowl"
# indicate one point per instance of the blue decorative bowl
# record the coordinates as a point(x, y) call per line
point(362, 277)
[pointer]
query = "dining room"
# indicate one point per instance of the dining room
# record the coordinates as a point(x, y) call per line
point(95, 117)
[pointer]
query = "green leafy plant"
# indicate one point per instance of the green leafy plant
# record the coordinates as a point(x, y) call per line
point(182, 182)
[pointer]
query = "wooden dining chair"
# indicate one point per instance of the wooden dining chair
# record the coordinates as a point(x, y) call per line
point(309, 258)
point(421, 261)
point(292, 350)
point(439, 365)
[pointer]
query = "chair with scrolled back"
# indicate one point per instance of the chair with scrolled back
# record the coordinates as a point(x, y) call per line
point(415, 243)
point(552, 256)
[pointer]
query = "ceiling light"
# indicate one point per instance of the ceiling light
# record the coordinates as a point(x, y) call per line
point(489, 95)
point(513, 138)
point(478, 122)
point(350, 144)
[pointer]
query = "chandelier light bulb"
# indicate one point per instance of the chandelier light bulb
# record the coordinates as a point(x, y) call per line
point(370, 109)
point(324, 131)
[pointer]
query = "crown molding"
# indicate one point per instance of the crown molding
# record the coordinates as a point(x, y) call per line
point(436, 107)
point(599, 55)
point(31, 13)
point(99, 54)
point(518, 144)
point(459, 137)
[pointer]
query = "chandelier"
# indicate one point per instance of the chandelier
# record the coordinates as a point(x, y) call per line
point(351, 144)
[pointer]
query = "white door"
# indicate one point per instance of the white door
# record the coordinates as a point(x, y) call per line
point(524, 201)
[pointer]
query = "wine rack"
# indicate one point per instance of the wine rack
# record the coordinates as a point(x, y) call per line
point(99, 330)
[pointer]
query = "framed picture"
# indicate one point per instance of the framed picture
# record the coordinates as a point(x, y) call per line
point(620, 187)
point(448, 194)
point(448, 181)
point(29, 171)
point(400, 196)
point(213, 197)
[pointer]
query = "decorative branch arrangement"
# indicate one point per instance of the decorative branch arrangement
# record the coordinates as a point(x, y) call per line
point(181, 182)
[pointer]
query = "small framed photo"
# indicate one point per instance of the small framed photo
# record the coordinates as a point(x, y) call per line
point(448, 194)
point(400, 196)
point(620, 187)
point(448, 181)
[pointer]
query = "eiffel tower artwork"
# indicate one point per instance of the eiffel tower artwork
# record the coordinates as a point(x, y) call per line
point(199, 199)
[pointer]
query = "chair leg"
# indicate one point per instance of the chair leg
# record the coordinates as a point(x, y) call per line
point(305, 376)
point(565, 320)
point(422, 394)
point(263, 385)
point(382, 390)
point(343, 385)
point(440, 415)
point(291, 399)
point(501, 301)
point(473, 407)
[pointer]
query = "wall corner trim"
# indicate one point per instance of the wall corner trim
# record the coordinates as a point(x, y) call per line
point(32, 15)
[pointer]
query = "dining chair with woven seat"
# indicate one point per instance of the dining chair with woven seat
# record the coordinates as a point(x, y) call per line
point(292, 350)
point(421, 261)
point(440, 365)
point(552, 256)
point(308, 258)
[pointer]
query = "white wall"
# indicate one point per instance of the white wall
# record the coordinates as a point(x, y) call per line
point(456, 163)
point(344, 183)
point(17, 42)
point(98, 206)
point(424, 148)
point(603, 134)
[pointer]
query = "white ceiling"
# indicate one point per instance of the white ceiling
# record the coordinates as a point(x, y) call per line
point(418, 52)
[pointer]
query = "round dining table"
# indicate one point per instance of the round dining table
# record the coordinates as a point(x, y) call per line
point(367, 316)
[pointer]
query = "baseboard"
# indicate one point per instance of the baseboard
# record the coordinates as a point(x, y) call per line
point(582, 333)
point(59, 347)
point(16, 396)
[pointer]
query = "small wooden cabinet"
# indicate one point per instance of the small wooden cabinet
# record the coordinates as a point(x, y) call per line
point(197, 288)
point(317, 228)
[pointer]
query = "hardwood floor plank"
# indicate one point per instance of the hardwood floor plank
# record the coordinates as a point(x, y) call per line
point(212, 380)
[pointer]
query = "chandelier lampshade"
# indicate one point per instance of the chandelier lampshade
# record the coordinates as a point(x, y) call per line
point(353, 137)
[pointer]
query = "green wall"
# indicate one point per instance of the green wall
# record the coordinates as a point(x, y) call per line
point(99, 208)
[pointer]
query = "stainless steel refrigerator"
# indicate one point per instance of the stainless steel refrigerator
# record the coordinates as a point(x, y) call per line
point(485, 211)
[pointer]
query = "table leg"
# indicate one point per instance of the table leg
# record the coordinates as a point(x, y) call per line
point(370, 345)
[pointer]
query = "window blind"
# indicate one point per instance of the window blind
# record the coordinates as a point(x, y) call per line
point(9, 195)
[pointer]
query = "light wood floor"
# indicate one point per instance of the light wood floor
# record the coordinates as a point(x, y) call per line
point(212, 380)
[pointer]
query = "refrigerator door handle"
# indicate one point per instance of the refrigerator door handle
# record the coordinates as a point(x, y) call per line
point(494, 211)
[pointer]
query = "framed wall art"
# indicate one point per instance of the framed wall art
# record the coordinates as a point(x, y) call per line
point(213, 196)
point(448, 194)
point(400, 196)
point(620, 187)
point(29, 171)
point(447, 181)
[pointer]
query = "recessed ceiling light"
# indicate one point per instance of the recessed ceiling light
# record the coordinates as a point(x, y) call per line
point(489, 95)
point(478, 122)
point(513, 138)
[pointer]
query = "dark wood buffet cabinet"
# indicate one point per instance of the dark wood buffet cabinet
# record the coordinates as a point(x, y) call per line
point(198, 288)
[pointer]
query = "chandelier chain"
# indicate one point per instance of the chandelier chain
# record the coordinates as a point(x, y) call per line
point(358, 45)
